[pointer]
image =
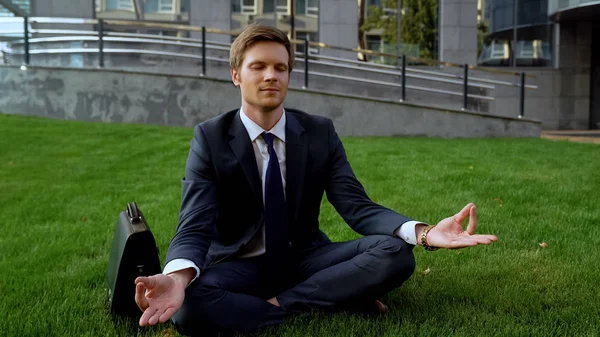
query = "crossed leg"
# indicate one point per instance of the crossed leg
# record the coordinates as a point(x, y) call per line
point(231, 296)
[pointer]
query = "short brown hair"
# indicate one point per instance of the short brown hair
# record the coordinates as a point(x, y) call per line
point(257, 33)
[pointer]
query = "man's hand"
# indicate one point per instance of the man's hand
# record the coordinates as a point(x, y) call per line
point(160, 296)
point(449, 232)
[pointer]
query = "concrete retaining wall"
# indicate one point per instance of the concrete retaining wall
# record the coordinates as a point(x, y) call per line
point(136, 97)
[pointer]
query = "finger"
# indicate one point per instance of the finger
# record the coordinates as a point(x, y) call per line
point(473, 240)
point(486, 237)
point(462, 215)
point(462, 243)
point(167, 315)
point(154, 319)
point(140, 299)
point(146, 316)
point(148, 281)
point(472, 221)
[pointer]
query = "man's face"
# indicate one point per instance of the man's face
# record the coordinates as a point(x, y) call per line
point(263, 76)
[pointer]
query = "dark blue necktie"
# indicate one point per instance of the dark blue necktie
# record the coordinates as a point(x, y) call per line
point(276, 227)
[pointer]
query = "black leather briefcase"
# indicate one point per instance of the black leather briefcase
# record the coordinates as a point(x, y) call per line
point(134, 253)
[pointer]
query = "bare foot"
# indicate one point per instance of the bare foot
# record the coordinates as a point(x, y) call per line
point(274, 301)
point(380, 307)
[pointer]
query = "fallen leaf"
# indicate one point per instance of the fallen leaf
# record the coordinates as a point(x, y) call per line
point(168, 333)
point(543, 245)
point(83, 219)
point(470, 167)
point(426, 271)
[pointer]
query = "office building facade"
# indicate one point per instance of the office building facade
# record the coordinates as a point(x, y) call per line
point(556, 40)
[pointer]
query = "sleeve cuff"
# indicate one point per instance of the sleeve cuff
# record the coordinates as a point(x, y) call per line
point(181, 264)
point(407, 231)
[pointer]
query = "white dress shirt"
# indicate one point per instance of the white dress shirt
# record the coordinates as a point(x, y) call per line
point(256, 246)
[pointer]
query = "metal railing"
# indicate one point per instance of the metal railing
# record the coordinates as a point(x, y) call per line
point(403, 71)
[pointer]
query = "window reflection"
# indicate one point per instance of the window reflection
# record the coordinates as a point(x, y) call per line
point(378, 28)
point(149, 10)
point(25, 5)
point(514, 33)
point(301, 22)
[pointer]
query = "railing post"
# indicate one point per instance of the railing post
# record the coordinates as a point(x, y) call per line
point(305, 64)
point(522, 96)
point(465, 86)
point(26, 38)
point(100, 43)
point(203, 50)
point(403, 78)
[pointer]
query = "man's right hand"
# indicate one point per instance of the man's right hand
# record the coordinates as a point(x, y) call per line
point(161, 296)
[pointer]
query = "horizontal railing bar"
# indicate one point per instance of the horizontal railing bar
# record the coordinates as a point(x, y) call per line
point(399, 85)
point(387, 72)
point(2, 33)
point(119, 39)
point(426, 61)
point(70, 21)
point(166, 26)
point(163, 37)
point(12, 19)
point(118, 51)
point(151, 52)
point(170, 43)
point(63, 31)
point(94, 36)
point(429, 72)
point(63, 39)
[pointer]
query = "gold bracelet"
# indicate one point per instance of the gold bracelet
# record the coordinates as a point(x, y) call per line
point(424, 239)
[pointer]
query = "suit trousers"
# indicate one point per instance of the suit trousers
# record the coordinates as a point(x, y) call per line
point(231, 296)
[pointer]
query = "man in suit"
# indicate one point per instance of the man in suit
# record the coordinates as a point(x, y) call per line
point(248, 250)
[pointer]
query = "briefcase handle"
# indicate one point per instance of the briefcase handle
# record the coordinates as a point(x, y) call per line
point(133, 212)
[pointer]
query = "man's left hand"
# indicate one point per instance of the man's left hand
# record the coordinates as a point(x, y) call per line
point(449, 232)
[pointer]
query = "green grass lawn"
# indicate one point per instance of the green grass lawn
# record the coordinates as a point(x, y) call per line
point(63, 183)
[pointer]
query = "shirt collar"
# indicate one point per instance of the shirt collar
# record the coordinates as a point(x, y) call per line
point(254, 130)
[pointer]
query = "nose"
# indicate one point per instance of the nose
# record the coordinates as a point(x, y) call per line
point(270, 74)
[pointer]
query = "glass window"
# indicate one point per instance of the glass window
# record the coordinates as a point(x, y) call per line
point(532, 12)
point(282, 6)
point(159, 6)
point(248, 6)
point(268, 6)
point(151, 6)
point(25, 5)
point(165, 6)
point(312, 8)
point(185, 6)
point(418, 31)
point(120, 5)
point(532, 44)
point(277, 13)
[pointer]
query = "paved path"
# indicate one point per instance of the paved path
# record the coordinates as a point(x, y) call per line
point(583, 136)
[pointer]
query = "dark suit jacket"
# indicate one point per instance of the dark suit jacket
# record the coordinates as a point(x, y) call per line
point(222, 207)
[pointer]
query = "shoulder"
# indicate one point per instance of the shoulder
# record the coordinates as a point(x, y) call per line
point(309, 121)
point(218, 121)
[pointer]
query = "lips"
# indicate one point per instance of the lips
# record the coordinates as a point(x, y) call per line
point(269, 89)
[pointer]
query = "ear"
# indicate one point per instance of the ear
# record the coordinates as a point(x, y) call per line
point(235, 77)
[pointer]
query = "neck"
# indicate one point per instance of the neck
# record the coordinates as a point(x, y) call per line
point(266, 119)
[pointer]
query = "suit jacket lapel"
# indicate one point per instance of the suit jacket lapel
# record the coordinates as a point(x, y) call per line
point(295, 152)
point(244, 152)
